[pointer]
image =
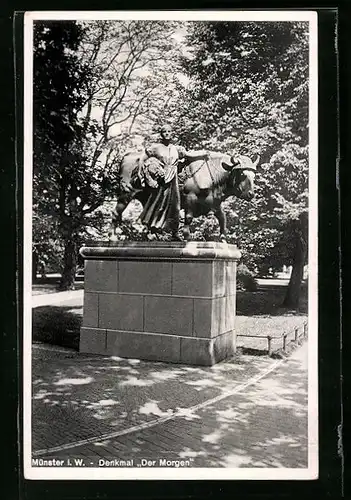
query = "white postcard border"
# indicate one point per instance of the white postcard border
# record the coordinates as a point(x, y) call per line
point(311, 472)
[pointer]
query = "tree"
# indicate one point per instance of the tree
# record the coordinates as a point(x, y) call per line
point(47, 245)
point(248, 92)
point(56, 96)
point(95, 83)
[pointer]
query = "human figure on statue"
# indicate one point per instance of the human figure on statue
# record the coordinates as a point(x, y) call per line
point(158, 169)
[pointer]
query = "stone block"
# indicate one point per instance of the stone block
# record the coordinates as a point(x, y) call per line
point(224, 346)
point(92, 340)
point(153, 347)
point(121, 312)
point(145, 277)
point(229, 312)
point(91, 309)
point(207, 352)
point(192, 279)
point(203, 325)
point(219, 276)
point(230, 278)
point(169, 315)
point(223, 314)
point(101, 276)
point(217, 316)
point(196, 351)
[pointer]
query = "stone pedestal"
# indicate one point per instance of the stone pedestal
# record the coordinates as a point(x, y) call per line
point(161, 301)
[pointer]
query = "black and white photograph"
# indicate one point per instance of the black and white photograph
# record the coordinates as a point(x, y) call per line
point(170, 245)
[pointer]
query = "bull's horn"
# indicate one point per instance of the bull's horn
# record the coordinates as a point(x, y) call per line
point(235, 159)
point(255, 163)
point(227, 166)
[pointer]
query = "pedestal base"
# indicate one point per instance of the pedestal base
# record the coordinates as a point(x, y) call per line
point(172, 302)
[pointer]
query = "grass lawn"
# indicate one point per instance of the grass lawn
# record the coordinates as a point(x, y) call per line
point(258, 314)
point(261, 313)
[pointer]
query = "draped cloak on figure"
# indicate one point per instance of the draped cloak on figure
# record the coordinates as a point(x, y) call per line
point(162, 207)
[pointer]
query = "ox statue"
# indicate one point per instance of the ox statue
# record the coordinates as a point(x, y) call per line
point(203, 184)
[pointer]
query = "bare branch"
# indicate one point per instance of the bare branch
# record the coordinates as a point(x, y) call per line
point(138, 107)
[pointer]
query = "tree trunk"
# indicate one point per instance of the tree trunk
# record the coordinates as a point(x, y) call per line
point(69, 266)
point(292, 297)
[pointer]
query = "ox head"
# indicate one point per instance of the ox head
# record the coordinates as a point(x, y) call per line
point(243, 172)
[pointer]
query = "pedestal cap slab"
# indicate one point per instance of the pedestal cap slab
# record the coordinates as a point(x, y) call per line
point(160, 250)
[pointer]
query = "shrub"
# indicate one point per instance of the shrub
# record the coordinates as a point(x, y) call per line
point(245, 279)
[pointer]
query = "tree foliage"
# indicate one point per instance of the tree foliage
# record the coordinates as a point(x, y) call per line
point(95, 83)
point(57, 135)
point(248, 93)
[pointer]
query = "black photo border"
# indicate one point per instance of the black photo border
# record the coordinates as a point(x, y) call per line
point(333, 28)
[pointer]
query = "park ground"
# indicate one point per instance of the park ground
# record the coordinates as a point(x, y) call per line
point(250, 411)
point(247, 412)
point(57, 316)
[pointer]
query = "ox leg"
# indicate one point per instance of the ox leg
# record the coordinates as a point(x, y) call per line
point(190, 203)
point(188, 218)
point(222, 223)
point(174, 223)
point(116, 219)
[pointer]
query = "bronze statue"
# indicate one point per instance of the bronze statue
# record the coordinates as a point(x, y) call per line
point(205, 180)
point(158, 169)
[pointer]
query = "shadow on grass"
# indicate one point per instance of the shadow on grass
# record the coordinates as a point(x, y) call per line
point(252, 352)
point(52, 280)
point(267, 301)
point(57, 325)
